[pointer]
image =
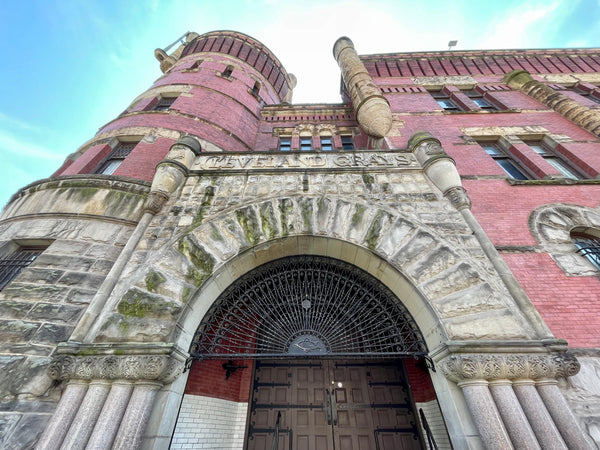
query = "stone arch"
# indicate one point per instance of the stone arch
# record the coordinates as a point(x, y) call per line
point(445, 279)
point(551, 225)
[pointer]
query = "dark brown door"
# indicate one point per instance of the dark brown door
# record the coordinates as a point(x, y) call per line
point(331, 405)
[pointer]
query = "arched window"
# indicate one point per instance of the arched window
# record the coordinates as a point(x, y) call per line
point(587, 245)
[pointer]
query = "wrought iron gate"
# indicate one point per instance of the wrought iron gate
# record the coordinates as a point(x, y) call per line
point(307, 306)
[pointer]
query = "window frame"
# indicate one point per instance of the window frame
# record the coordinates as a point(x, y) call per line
point(553, 158)
point(347, 142)
point(285, 143)
point(115, 157)
point(326, 143)
point(306, 143)
point(504, 160)
point(445, 101)
point(11, 265)
point(164, 102)
point(588, 246)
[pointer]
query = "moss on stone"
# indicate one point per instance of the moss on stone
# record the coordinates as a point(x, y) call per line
point(153, 280)
point(268, 221)
point(306, 210)
point(205, 204)
point(374, 231)
point(359, 212)
point(368, 179)
point(247, 219)
point(185, 295)
point(139, 304)
point(286, 208)
point(203, 262)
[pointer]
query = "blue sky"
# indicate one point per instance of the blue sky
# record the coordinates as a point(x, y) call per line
point(70, 66)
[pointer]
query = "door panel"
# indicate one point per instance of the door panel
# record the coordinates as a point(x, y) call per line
point(326, 405)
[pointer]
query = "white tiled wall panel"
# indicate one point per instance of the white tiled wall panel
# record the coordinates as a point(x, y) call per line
point(213, 423)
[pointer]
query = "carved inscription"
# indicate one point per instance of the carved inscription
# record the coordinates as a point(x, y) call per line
point(358, 160)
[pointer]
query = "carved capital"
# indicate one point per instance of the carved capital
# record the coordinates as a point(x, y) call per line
point(458, 197)
point(460, 368)
point(160, 368)
point(155, 201)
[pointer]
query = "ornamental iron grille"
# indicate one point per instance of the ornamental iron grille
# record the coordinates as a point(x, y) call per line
point(307, 306)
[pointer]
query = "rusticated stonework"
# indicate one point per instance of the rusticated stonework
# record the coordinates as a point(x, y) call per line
point(495, 367)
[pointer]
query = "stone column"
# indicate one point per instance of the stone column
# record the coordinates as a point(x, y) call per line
point(486, 415)
point(66, 410)
point(559, 409)
point(105, 416)
point(373, 111)
point(136, 416)
point(583, 116)
point(512, 414)
point(88, 412)
point(107, 425)
point(538, 416)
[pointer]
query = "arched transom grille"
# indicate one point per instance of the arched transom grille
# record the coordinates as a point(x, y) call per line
point(307, 306)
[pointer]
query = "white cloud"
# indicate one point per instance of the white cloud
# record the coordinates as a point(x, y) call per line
point(18, 146)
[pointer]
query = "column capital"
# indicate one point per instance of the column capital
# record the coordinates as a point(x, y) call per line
point(91, 362)
point(464, 367)
point(517, 78)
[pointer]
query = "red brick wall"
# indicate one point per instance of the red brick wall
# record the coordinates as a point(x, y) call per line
point(87, 162)
point(207, 378)
point(420, 381)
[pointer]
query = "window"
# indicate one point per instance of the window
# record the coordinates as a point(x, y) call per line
point(305, 143)
point(195, 65)
point(227, 72)
point(285, 144)
point(326, 143)
point(347, 143)
point(163, 103)
point(503, 160)
point(12, 264)
point(553, 160)
point(587, 94)
point(588, 246)
point(444, 101)
point(478, 99)
point(115, 157)
point(256, 89)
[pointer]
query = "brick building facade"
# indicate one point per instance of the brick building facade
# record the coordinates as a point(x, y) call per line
point(219, 267)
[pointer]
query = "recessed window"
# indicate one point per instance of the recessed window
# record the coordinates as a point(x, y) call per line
point(196, 65)
point(444, 101)
point(163, 103)
point(114, 159)
point(227, 72)
point(256, 89)
point(587, 94)
point(588, 246)
point(11, 265)
point(553, 160)
point(326, 143)
point(306, 143)
point(347, 142)
point(480, 101)
point(285, 144)
point(503, 160)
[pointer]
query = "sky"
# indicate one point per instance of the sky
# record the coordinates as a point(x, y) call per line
point(70, 66)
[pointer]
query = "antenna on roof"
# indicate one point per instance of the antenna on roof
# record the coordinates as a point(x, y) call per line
point(452, 44)
point(180, 39)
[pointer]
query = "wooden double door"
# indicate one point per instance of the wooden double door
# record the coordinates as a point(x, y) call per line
point(331, 405)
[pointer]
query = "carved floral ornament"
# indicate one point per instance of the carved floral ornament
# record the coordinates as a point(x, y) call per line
point(160, 368)
point(499, 367)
